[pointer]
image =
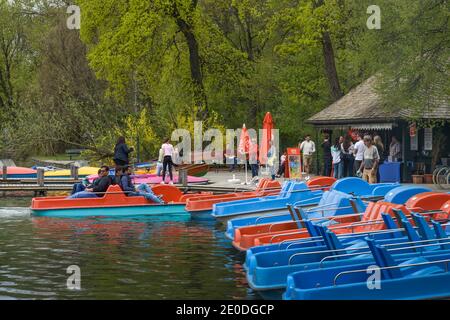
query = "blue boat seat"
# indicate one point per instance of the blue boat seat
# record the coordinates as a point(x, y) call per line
point(401, 194)
point(335, 203)
point(352, 185)
point(424, 229)
point(384, 259)
point(359, 187)
point(441, 234)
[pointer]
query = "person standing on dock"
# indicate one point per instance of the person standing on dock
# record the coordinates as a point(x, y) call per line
point(327, 158)
point(338, 165)
point(395, 150)
point(358, 152)
point(168, 151)
point(271, 159)
point(307, 148)
point(347, 149)
point(159, 164)
point(282, 165)
point(122, 153)
point(369, 165)
point(253, 157)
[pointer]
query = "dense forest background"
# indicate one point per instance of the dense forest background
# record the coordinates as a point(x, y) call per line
point(145, 67)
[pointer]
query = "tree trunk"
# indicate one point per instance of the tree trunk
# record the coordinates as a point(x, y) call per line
point(330, 67)
point(330, 63)
point(195, 65)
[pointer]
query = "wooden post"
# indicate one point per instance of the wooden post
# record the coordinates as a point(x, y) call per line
point(74, 172)
point(40, 177)
point(183, 177)
point(5, 173)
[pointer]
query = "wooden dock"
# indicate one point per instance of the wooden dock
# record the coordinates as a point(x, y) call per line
point(42, 185)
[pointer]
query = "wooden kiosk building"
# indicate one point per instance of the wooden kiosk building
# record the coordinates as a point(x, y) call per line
point(361, 110)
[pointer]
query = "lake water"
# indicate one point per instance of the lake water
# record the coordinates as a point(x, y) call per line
point(119, 259)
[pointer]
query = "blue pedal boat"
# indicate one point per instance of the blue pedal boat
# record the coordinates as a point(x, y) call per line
point(292, 192)
point(268, 271)
point(423, 276)
point(351, 187)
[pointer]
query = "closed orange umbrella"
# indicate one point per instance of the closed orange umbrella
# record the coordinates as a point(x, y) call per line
point(268, 126)
point(244, 147)
point(244, 142)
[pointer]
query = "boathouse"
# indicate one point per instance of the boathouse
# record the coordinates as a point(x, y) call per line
point(424, 146)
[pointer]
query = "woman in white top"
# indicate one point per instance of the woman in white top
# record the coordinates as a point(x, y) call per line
point(336, 153)
point(168, 152)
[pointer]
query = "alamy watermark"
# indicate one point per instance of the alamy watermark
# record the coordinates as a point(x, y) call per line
point(74, 280)
point(73, 22)
point(374, 21)
point(374, 280)
point(242, 144)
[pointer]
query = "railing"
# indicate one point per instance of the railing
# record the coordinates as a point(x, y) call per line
point(446, 261)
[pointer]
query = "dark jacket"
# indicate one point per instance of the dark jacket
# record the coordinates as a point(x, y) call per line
point(121, 152)
point(326, 146)
point(102, 184)
point(126, 184)
point(115, 181)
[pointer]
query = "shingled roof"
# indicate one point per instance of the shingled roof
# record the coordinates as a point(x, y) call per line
point(363, 104)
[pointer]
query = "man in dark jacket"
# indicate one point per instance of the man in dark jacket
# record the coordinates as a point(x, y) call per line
point(327, 158)
point(143, 190)
point(99, 189)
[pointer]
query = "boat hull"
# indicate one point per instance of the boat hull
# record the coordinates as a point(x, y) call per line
point(203, 215)
point(130, 211)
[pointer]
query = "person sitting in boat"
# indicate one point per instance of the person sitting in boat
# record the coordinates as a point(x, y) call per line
point(85, 184)
point(131, 190)
point(117, 176)
point(99, 189)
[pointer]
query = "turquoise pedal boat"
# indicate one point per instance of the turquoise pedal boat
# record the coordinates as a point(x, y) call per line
point(114, 203)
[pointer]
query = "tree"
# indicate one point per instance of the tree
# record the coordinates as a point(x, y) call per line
point(127, 38)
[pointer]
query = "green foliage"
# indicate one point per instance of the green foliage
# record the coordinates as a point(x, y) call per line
point(132, 69)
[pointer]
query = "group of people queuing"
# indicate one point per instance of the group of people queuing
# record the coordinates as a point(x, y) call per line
point(123, 175)
point(362, 158)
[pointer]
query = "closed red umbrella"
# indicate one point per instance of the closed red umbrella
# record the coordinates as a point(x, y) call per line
point(244, 147)
point(268, 126)
point(244, 142)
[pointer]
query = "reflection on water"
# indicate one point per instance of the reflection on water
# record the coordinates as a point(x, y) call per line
point(144, 258)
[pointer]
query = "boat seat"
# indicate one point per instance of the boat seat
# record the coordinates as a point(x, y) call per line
point(382, 190)
point(427, 201)
point(326, 182)
point(440, 234)
point(401, 194)
point(415, 271)
point(373, 213)
point(335, 203)
point(424, 229)
point(384, 259)
point(445, 215)
point(352, 185)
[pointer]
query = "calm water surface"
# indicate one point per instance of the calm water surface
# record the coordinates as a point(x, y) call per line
point(119, 259)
